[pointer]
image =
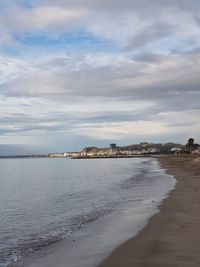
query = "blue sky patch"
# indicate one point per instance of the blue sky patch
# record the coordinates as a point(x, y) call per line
point(80, 39)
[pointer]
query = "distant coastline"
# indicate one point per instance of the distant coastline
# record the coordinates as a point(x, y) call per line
point(23, 156)
point(114, 151)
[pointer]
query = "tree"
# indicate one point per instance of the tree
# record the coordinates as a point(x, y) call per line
point(190, 145)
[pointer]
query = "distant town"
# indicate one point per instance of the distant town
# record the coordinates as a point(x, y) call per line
point(114, 151)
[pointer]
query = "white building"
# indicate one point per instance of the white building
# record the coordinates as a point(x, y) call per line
point(176, 150)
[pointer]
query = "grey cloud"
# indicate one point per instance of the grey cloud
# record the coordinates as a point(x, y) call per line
point(133, 80)
point(140, 6)
point(174, 98)
point(168, 80)
point(151, 33)
point(160, 19)
point(147, 57)
point(155, 10)
point(197, 19)
point(194, 51)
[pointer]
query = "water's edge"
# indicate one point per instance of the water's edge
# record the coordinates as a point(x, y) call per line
point(118, 227)
point(157, 210)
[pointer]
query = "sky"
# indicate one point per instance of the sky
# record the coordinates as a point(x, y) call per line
point(90, 72)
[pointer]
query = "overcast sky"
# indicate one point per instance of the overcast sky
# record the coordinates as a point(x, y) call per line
point(90, 72)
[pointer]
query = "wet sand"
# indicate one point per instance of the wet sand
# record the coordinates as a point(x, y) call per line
point(172, 237)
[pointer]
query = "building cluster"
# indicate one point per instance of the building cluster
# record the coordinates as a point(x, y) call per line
point(115, 151)
point(144, 148)
point(63, 155)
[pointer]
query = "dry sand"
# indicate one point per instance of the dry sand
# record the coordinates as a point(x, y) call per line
point(172, 237)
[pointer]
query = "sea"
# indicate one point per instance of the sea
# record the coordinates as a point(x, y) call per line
point(47, 202)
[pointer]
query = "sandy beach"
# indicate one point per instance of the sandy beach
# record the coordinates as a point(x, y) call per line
point(172, 237)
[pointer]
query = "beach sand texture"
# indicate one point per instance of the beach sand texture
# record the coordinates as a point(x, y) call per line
point(172, 237)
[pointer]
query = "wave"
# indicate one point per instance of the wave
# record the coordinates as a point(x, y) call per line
point(42, 239)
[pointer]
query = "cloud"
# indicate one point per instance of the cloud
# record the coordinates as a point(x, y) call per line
point(103, 75)
point(137, 6)
point(122, 130)
point(98, 70)
point(151, 33)
point(127, 22)
point(44, 18)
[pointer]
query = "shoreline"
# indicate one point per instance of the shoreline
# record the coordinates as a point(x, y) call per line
point(97, 240)
point(171, 238)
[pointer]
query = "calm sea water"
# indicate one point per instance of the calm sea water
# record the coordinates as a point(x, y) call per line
point(43, 201)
